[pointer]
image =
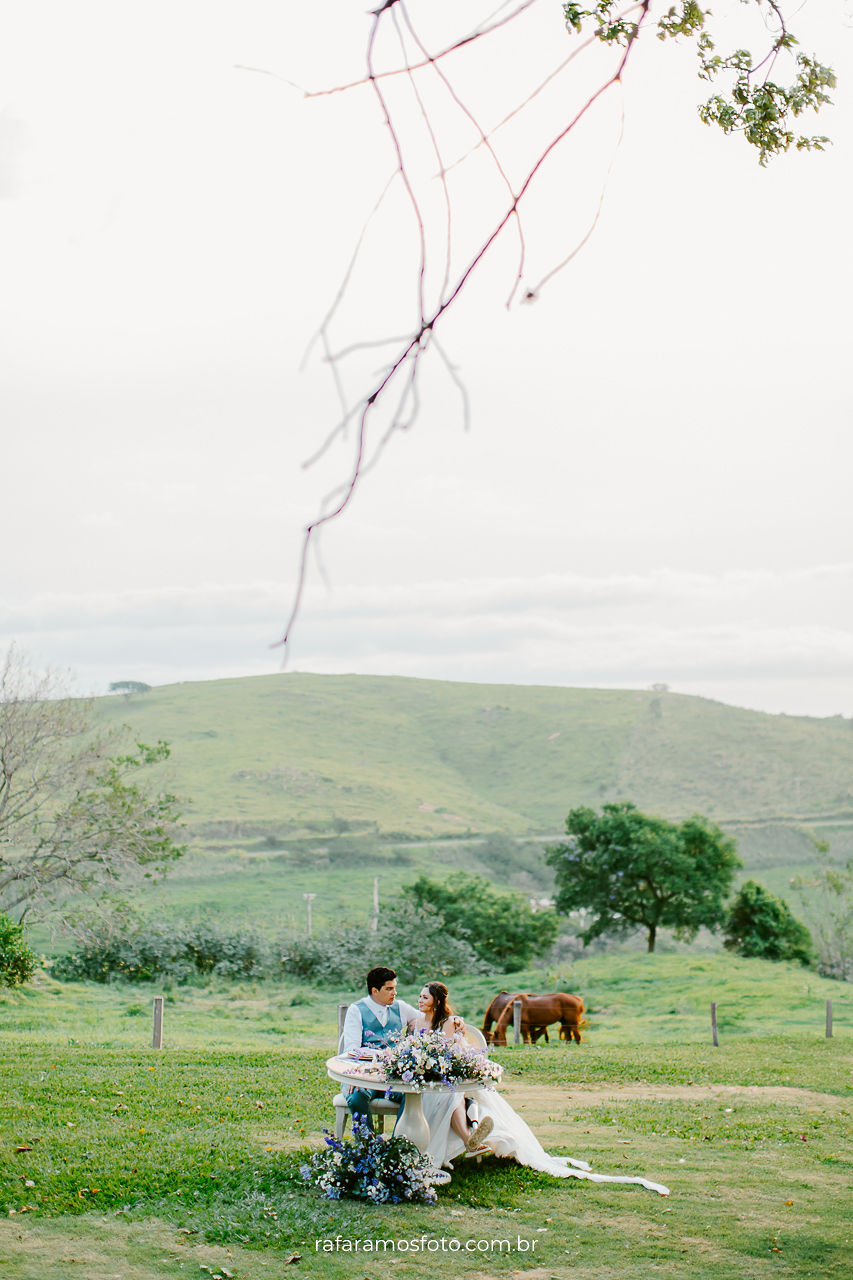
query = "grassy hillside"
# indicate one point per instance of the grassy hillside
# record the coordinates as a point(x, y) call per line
point(283, 755)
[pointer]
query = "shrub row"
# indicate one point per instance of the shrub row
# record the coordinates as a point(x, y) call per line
point(179, 952)
point(413, 940)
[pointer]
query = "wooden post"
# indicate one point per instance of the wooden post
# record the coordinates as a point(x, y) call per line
point(157, 1042)
point(829, 1019)
point(516, 1022)
point(342, 1013)
point(714, 1023)
point(375, 921)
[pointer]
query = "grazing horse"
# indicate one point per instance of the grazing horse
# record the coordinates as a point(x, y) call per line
point(496, 1008)
point(539, 1011)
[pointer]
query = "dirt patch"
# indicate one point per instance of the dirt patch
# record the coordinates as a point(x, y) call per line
point(106, 1249)
point(553, 1099)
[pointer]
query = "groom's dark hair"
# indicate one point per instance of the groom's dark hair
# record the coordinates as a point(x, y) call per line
point(378, 977)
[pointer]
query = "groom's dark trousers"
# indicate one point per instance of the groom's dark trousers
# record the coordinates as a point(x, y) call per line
point(359, 1104)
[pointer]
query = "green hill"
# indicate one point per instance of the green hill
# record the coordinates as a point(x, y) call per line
point(298, 784)
point(290, 754)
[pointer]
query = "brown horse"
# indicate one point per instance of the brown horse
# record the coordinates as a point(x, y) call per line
point(538, 1012)
point(495, 1010)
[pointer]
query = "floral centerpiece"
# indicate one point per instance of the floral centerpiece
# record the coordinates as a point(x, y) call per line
point(371, 1167)
point(426, 1057)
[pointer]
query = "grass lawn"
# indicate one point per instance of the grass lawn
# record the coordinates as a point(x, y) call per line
point(119, 1161)
point(155, 1164)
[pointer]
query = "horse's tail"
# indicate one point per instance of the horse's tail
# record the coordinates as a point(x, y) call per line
point(503, 1020)
point(571, 1017)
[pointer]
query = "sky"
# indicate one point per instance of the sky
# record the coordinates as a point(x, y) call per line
point(650, 481)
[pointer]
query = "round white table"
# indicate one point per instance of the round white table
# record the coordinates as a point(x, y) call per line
point(412, 1123)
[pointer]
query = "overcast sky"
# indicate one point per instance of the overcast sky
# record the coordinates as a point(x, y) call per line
point(655, 480)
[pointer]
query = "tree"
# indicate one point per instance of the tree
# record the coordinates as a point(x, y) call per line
point(636, 871)
point(502, 928)
point(17, 962)
point(760, 924)
point(826, 899)
point(72, 814)
point(129, 687)
point(413, 939)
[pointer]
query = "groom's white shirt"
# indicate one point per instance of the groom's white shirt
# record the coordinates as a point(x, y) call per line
point(352, 1022)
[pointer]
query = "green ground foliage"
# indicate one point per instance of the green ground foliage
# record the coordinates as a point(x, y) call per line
point(118, 1159)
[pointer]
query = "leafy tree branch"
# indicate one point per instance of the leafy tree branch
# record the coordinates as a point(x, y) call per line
point(74, 815)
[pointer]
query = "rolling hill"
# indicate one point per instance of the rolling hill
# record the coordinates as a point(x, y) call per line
point(292, 754)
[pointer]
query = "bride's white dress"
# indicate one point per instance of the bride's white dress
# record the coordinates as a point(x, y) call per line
point(509, 1137)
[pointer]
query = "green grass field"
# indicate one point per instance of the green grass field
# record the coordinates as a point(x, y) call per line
point(118, 1160)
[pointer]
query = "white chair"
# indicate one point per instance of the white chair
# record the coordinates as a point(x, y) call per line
point(475, 1037)
point(379, 1108)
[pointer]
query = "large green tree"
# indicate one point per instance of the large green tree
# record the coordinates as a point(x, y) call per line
point(77, 813)
point(502, 928)
point(633, 870)
point(760, 924)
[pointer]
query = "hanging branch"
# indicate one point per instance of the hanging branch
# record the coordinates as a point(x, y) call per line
point(760, 109)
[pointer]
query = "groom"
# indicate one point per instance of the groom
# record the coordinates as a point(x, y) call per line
point(374, 1023)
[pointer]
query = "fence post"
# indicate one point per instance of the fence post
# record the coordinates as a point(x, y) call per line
point(342, 1013)
point(829, 1019)
point(516, 1023)
point(157, 1042)
point(714, 1022)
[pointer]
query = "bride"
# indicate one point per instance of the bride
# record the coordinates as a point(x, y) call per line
point(501, 1128)
point(445, 1112)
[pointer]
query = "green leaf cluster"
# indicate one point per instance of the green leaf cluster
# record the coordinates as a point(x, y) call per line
point(17, 961)
point(755, 105)
point(761, 925)
point(633, 870)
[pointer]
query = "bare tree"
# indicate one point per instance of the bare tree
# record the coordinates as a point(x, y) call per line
point(72, 816)
point(826, 899)
point(415, 69)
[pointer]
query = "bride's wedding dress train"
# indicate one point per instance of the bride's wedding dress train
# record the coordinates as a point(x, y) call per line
point(510, 1136)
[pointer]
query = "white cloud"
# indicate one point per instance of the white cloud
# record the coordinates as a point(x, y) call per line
point(690, 630)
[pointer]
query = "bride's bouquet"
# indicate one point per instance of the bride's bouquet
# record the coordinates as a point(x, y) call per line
point(426, 1057)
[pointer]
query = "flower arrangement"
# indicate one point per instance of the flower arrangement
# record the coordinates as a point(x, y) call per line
point(426, 1057)
point(369, 1167)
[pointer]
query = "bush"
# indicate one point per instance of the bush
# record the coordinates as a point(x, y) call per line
point(412, 940)
point(179, 952)
point(761, 925)
point(17, 962)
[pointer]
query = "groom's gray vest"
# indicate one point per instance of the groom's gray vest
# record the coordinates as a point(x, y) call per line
point(373, 1034)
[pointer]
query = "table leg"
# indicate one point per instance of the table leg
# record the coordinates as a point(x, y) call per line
point(412, 1123)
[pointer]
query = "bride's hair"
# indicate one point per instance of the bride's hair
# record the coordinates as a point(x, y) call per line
point(441, 1009)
